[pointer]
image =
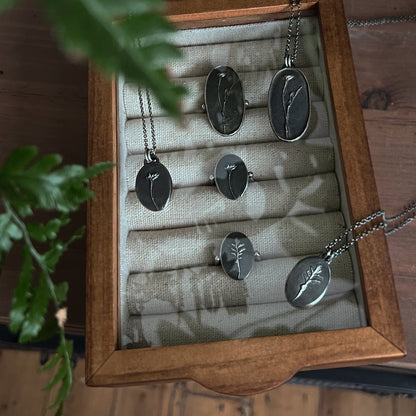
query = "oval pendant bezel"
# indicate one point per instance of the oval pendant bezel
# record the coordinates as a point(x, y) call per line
point(151, 197)
point(235, 182)
point(237, 250)
point(301, 294)
point(275, 114)
point(214, 102)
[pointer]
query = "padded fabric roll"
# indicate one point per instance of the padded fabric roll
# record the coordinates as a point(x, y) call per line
point(195, 131)
point(198, 245)
point(247, 56)
point(171, 291)
point(224, 34)
point(207, 287)
point(268, 161)
point(264, 199)
point(255, 86)
point(190, 327)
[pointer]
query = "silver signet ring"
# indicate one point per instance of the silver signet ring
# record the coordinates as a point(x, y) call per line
point(231, 176)
point(237, 255)
point(224, 100)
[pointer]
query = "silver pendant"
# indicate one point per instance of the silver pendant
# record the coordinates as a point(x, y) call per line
point(224, 100)
point(308, 281)
point(237, 255)
point(289, 104)
point(231, 176)
point(154, 185)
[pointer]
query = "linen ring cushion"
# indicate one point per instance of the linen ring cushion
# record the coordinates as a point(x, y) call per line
point(171, 290)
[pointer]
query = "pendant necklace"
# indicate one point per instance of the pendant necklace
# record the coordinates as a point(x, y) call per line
point(289, 96)
point(309, 279)
point(153, 182)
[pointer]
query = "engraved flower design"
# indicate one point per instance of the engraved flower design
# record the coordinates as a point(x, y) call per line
point(222, 101)
point(230, 168)
point(151, 178)
point(288, 98)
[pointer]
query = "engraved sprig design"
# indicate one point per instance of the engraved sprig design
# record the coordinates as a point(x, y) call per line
point(288, 97)
point(152, 177)
point(310, 276)
point(237, 250)
point(230, 168)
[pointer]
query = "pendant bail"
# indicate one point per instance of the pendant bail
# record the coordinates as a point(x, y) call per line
point(288, 61)
point(150, 156)
point(328, 256)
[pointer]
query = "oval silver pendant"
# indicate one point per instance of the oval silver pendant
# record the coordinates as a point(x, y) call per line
point(224, 100)
point(307, 282)
point(289, 104)
point(231, 176)
point(237, 255)
point(154, 186)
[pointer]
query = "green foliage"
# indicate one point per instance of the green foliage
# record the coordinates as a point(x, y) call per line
point(5, 4)
point(120, 37)
point(63, 374)
point(28, 183)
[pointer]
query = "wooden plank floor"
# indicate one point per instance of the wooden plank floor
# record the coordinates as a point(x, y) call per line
point(20, 394)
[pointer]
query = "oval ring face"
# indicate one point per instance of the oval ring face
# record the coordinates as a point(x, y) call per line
point(154, 186)
point(237, 255)
point(289, 104)
point(307, 283)
point(224, 100)
point(231, 176)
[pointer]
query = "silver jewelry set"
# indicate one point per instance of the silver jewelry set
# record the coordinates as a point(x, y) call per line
point(289, 113)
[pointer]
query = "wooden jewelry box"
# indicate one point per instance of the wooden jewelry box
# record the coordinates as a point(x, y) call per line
point(158, 308)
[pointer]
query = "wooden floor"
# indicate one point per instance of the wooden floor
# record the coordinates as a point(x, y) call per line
point(20, 394)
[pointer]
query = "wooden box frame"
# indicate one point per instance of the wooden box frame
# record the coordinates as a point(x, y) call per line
point(253, 365)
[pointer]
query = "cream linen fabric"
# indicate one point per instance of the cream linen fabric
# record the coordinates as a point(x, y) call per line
point(335, 312)
point(195, 131)
point(171, 290)
point(207, 287)
point(255, 87)
point(274, 160)
point(265, 199)
point(167, 249)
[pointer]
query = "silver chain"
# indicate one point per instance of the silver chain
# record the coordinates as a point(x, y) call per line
point(330, 254)
point(152, 150)
point(290, 58)
point(381, 21)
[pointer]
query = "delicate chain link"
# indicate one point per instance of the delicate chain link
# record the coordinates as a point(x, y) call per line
point(411, 209)
point(152, 125)
point(381, 21)
point(329, 254)
point(290, 59)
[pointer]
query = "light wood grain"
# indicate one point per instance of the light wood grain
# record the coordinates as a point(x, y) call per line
point(20, 385)
point(346, 403)
point(20, 394)
point(290, 401)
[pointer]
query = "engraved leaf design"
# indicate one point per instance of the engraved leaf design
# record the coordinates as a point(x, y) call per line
point(237, 250)
point(152, 177)
point(288, 98)
point(310, 276)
